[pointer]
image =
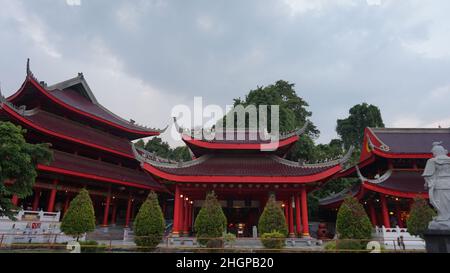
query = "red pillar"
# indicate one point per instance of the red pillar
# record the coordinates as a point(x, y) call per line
point(305, 222)
point(178, 203)
point(191, 211)
point(127, 217)
point(384, 211)
point(37, 196)
point(297, 215)
point(15, 200)
point(106, 213)
point(286, 212)
point(186, 217)
point(114, 213)
point(372, 213)
point(51, 200)
point(291, 219)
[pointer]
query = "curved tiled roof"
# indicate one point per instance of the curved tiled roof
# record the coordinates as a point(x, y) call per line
point(241, 165)
point(76, 102)
point(70, 164)
point(49, 123)
point(411, 140)
point(403, 181)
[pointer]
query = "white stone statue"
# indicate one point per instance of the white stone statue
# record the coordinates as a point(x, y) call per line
point(437, 180)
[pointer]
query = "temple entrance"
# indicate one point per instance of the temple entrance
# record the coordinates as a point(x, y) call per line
point(242, 220)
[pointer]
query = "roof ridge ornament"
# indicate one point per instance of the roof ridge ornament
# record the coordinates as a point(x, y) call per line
point(377, 180)
point(145, 156)
point(28, 67)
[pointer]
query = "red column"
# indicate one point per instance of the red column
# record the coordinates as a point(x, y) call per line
point(66, 203)
point(372, 213)
point(399, 215)
point(297, 214)
point(106, 213)
point(305, 222)
point(37, 196)
point(286, 212)
point(51, 200)
point(186, 217)
point(291, 219)
point(384, 211)
point(177, 211)
point(15, 200)
point(191, 211)
point(114, 213)
point(127, 217)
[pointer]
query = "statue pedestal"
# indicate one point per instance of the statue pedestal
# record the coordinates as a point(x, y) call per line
point(437, 241)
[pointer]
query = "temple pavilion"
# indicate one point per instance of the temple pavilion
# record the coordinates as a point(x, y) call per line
point(390, 173)
point(243, 173)
point(92, 148)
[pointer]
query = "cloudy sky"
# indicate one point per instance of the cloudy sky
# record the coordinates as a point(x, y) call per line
point(143, 57)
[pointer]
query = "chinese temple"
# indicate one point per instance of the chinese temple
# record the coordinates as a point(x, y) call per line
point(390, 173)
point(92, 148)
point(242, 171)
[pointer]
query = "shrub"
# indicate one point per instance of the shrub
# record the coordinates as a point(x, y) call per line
point(80, 217)
point(273, 240)
point(272, 219)
point(91, 247)
point(421, 214)
point(352, 223)
point(229, 238)
point(211, 222)
point(149, 224)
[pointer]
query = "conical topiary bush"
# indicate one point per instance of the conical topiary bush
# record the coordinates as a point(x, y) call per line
point(352, 225)
point(149, 224)
point(211, 222)
point(272, 225)
point(80, 216)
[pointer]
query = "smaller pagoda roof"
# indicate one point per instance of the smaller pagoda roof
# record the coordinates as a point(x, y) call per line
point(73, 165)
point(337, 198)
point(203, 141)
point(257, 168)
point(398, 183)
point(401, 142)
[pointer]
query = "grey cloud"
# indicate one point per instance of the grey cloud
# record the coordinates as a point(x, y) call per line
point(337, 56)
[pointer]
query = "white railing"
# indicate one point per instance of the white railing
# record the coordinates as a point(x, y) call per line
point(32, 227)
point(398, 238)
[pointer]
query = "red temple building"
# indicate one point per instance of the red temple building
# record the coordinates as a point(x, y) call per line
point(92, 148)
point(242, 174)
point(390, 173)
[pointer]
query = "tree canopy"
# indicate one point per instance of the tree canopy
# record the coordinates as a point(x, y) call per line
point(161, 148)
point(18, 161)
point(351, 129)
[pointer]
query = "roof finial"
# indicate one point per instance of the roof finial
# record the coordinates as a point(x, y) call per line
point(28, 67)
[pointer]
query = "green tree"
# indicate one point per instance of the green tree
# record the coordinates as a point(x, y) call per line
point(149, 224)
point(352, 223)
point(80, 216)
point(180, 153)
point(351, 129)
point(18, 161)
point(156, 145)
point(211, 222)
point(272, 219)
point(421, 214)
